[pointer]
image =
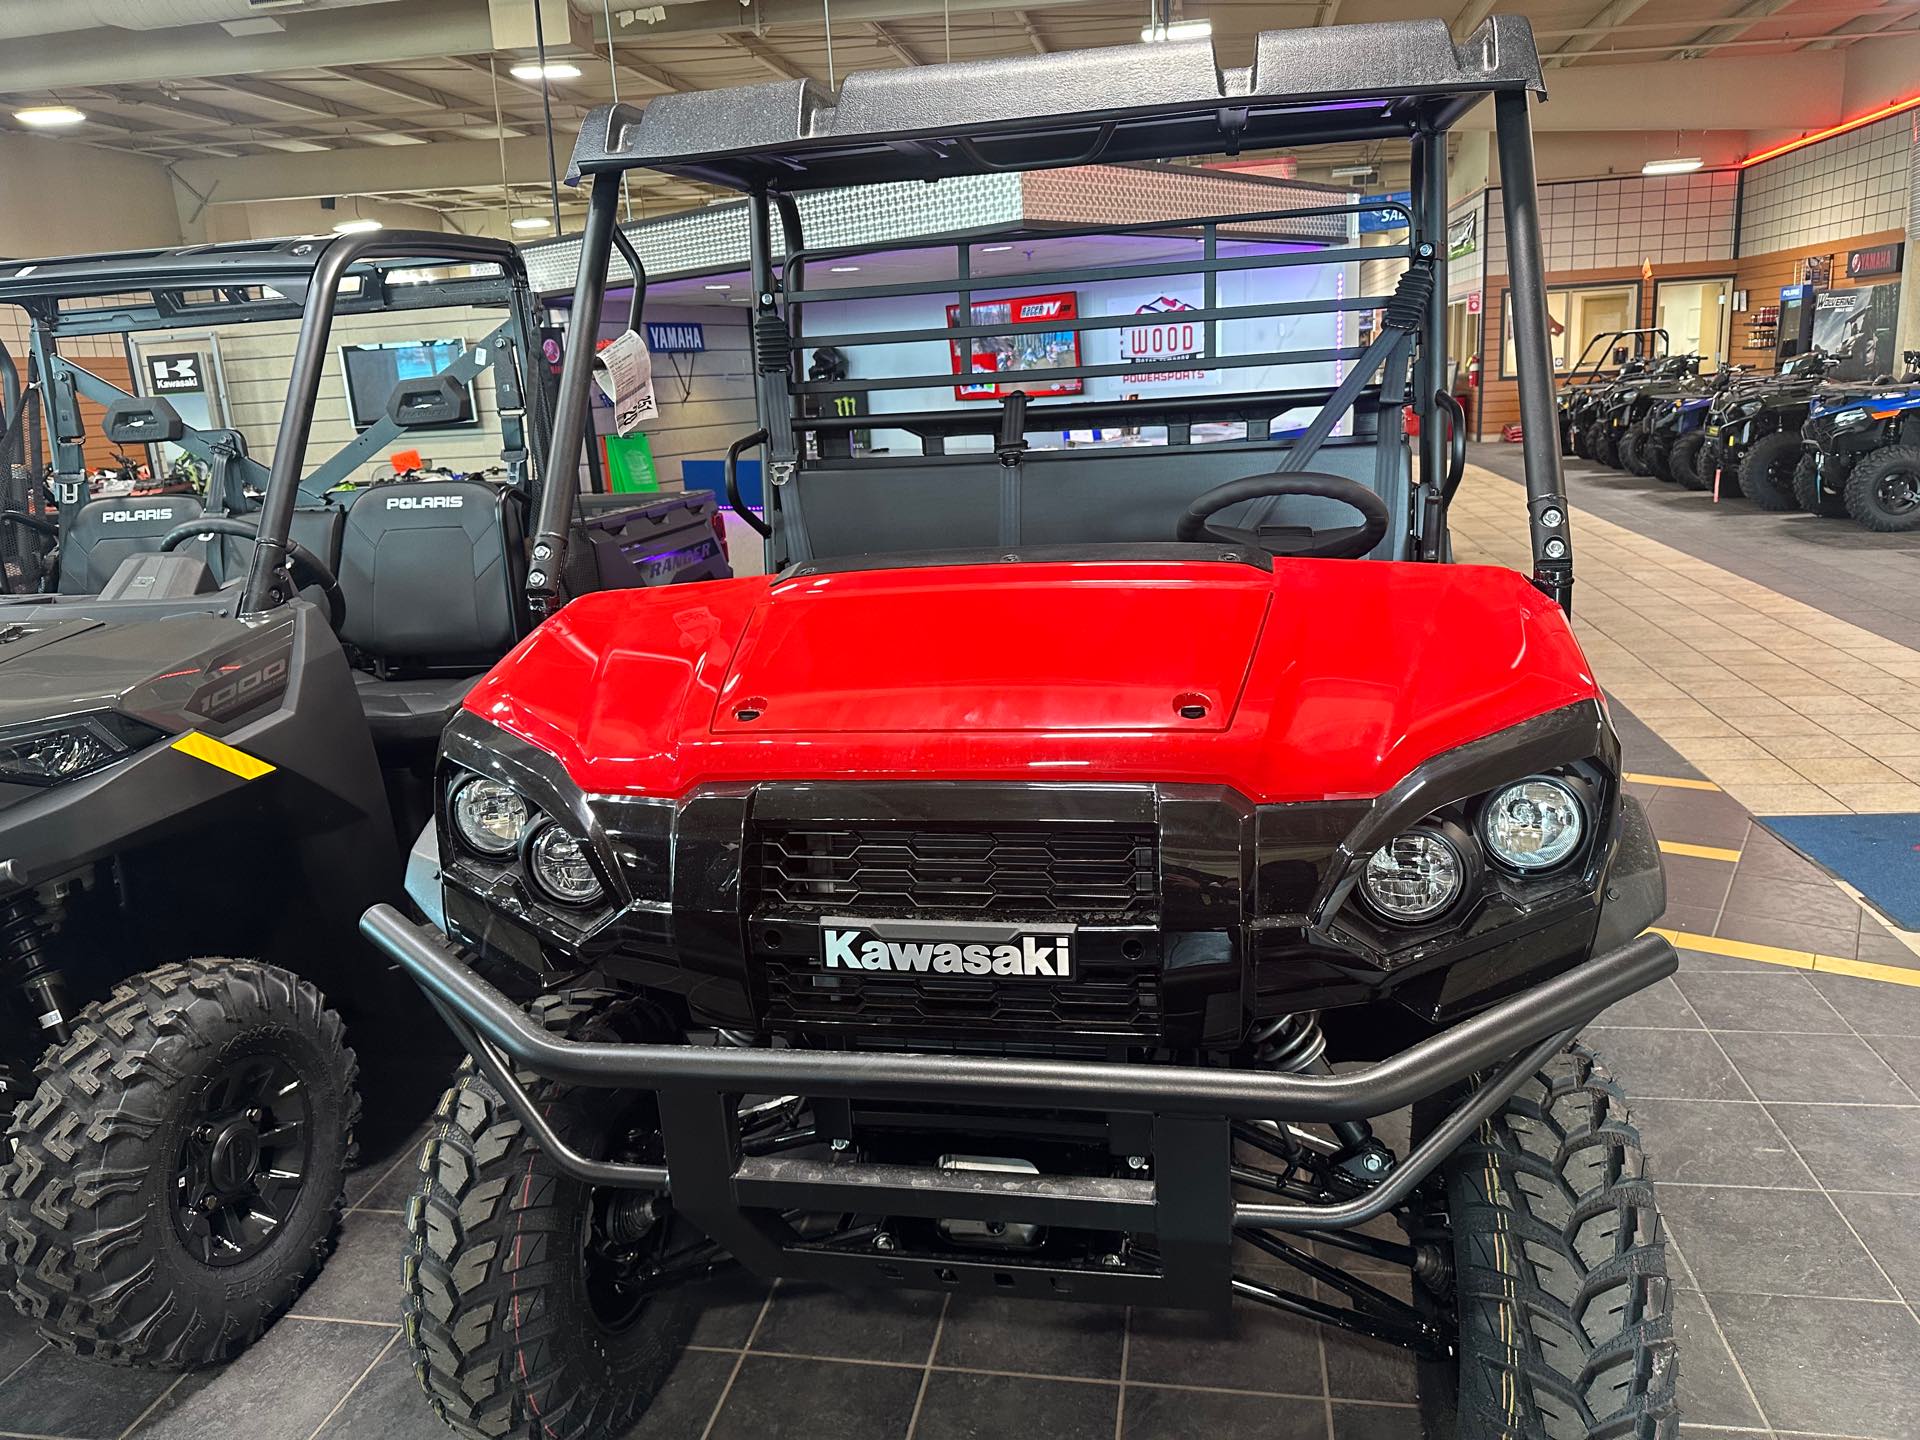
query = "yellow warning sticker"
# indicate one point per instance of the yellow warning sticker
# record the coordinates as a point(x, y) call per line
point(220, 754)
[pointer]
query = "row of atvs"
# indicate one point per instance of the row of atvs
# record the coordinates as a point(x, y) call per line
point(1796, 440)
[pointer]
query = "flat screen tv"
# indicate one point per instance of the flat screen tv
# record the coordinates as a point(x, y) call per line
point(373, 370)
point(1033, 352)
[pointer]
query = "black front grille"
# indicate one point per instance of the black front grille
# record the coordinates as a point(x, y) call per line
point(1092, 873)
point(1118, 1001)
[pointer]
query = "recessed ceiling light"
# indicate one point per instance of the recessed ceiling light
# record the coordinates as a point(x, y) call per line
point(389, 138)
point(531, 222)
point(1179, 30)
point(993, 249)
point(357, 227)
point(49, 117)
point(552, 70)
point(843, 269)
point(291, 147)
point(722, 285)
point(1679, 165)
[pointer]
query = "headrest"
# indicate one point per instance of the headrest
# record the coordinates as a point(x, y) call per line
point(142, 420)
point(432, 402)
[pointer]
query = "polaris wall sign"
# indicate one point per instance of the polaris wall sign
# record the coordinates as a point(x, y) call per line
point(1019, 952)
point(175, 374)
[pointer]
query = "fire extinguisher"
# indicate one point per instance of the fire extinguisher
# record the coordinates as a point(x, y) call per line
point(1473, 372)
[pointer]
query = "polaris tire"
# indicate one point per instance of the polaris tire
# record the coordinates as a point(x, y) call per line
point(500, 1314)
point(1883, 492)
point(133, 1208)
point(1683, 461)
point(1766, 471)
point(1560, 1272)
point(1812, 497)
point(1628, 451)
point(1601, 447)
point(1655, 454)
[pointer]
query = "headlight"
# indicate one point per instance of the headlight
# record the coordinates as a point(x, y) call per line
point(51, 751)
point(1414, 876)
point(1847, 418)
point(558, 862)
point(1533, 825)
point(489, 817)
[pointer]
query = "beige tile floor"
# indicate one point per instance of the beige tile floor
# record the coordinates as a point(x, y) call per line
point(1787, 709)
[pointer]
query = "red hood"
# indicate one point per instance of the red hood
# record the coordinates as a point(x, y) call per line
point(1324, 679)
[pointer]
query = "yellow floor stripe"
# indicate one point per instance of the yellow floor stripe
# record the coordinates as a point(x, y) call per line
point(1795, 959)
point(1672, 782)
point(222, 755)
point(1699, 852)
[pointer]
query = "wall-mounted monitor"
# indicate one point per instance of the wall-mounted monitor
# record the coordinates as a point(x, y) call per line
point(373, 370)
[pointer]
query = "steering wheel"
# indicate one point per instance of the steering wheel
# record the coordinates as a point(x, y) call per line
point(306, 567)
point(1344, 544)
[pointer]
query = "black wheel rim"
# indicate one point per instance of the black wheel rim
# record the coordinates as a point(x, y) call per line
point(243, 1160)
point(1898, 492)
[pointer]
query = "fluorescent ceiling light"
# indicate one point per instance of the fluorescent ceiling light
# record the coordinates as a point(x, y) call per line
point(492, 132)
point(531, 222)
point(993, 249)
point(1179, 30)
point(1350, 172)
point(1676, 166)
point(843, 269)
point(387, 137)
point(356, 227)
point(291, 147)
point(552, 70)
point(49, 117)
point(721, 285)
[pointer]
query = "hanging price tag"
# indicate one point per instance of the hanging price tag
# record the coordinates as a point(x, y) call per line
point(623, 369)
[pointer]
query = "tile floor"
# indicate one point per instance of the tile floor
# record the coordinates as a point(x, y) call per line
point(1780, 1106)
point(1795, 699)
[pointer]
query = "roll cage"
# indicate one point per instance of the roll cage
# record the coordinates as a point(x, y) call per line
point(777, 143)
point(311, 279)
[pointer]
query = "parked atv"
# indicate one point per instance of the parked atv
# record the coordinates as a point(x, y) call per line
point(218, 722)
point(1673, 437)
point(998, 896)
point(1753, 434)
point(1861, 454)
point(1631, 412)
point(1579, 396)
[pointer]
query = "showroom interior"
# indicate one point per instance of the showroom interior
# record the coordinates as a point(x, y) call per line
point(608, 830)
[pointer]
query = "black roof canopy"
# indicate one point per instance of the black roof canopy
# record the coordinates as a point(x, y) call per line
point(1123, 103)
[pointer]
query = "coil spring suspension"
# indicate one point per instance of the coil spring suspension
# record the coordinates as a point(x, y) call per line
point(1290, 1042)
point(23, 951)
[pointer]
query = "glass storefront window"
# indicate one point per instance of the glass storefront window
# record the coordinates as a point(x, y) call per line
point(1575, 315)
point(1696, 314)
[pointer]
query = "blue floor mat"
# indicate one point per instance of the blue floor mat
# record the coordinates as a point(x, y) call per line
point(1879, 855)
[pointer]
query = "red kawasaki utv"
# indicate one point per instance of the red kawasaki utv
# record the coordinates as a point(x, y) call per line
point(1039, 881)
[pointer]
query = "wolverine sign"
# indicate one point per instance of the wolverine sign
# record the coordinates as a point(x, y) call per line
point(910, 948)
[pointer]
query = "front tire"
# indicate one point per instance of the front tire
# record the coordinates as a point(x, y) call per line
point(512, 1332)
point(177, 1175)
point(1883, 492)
point(1683, 461)
point(1629, 451)
point(1812, 496)
point(1766, 471)
point(1566, 1327)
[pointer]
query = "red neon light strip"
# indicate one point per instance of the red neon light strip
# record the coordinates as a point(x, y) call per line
point(1832, 130)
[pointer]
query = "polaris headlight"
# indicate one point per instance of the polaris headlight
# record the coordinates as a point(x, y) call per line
point(557, 860)
point(1533, 825)
point(1847, 419)
point(1414, 876)
point(489, 817)
point(49, 752)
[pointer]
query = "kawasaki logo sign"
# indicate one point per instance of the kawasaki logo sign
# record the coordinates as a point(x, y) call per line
point(902, 947)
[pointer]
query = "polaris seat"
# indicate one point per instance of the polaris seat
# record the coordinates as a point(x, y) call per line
point(105, 532)
point(432, 572)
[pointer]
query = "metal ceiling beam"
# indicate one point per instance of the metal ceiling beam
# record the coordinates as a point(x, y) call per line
point(664, 80)
point(719, 17)
point(767, 55)
point(1041, 45)
point(1736, 25)
point(401, 87)
point(161, 101)
point(286, 96)
point(1611, 14)
point(1469, 18)
point(901, 50)
point(1856, 30)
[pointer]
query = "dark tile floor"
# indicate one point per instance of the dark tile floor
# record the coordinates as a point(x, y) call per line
point(1850, 572)
point(1781, 1120)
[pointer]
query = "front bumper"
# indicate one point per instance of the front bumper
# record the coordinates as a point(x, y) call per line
point(1189, 1210)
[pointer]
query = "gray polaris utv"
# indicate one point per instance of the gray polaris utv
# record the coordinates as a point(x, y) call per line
point(219, 704)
